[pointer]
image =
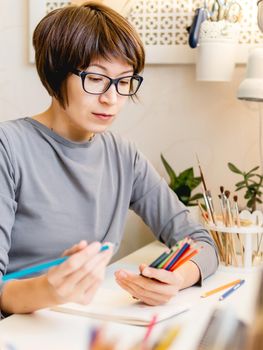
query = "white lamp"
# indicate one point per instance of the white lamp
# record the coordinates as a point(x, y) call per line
point(251, 88)
point(260, 14)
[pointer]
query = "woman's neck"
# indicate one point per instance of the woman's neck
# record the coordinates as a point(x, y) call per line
point(57, 120)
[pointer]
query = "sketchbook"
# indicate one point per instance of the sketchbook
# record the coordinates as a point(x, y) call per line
point(119, 306)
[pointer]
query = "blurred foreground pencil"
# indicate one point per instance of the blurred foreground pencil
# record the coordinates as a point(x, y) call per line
point(150, 328)
point(166, 341)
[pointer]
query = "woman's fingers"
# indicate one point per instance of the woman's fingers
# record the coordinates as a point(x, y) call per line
point(77, 247)
point(86, 289)
point(153, 290)
point(147, 296)
point(144, 296)
point(82, 270)
point(146, 283)
point(162, 275)
point(75, 261)
point(91, 272)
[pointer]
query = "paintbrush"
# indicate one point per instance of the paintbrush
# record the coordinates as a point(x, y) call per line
point(201, 173)
point(203, 212)
point(228, 209)
point(208, 209)
point(238, 222)
point(222, 209)
point(236, 211)
point(230, 221)
point(223, 196)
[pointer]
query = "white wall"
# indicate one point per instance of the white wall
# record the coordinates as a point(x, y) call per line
point(177, 115)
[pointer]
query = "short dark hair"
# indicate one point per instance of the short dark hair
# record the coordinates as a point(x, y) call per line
point(72, 36)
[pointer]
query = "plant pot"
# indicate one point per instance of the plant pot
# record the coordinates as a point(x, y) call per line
point(216, 53)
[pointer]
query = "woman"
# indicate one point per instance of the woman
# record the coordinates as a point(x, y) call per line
point(65, 179)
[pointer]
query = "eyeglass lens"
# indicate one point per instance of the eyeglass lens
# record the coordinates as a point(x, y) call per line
point(97, 84)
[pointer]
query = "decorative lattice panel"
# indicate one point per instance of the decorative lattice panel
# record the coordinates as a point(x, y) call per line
point(52, 5)
point(162, 26)
point(164, 22)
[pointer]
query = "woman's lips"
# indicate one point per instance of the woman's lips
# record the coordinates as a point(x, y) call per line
point(103, 116)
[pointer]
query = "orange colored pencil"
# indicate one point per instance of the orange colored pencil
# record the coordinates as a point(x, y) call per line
point(184, 260)
point(225, 286)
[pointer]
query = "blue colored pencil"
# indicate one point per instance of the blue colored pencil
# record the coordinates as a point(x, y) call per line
point(178, 256)
point(40, 267)
point(231, 290)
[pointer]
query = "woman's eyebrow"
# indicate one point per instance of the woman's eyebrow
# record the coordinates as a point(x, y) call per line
point(105, 69)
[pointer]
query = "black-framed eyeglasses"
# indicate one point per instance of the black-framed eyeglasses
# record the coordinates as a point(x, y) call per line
point(97, 84)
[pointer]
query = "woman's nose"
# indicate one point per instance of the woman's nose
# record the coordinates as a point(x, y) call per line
point(110, 96)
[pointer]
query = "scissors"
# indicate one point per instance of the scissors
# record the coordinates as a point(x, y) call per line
point(230, 11)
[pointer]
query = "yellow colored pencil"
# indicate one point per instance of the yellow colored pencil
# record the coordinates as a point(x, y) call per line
point(168, 339)
point(225, 286)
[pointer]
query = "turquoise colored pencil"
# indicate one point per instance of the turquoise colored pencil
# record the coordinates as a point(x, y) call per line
point(160, 258)
point(40, 267)
point(161, 265)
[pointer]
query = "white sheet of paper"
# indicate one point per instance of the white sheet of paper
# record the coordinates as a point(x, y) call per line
point(119, 306)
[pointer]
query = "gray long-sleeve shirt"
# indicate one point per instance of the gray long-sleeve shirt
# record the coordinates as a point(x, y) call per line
point(55, 192)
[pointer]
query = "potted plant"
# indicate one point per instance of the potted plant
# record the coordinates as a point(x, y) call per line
point(183, 184)
point(252, 183)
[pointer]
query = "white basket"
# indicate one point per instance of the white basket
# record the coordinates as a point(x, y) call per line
point(216, 52)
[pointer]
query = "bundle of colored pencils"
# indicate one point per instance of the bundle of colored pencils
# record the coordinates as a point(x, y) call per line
point(182, 252)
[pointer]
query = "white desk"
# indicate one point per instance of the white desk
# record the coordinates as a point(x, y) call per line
point(49, 330)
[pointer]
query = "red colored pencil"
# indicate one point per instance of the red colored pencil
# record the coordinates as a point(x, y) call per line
point(184, 260)
point(185, 253)
point(181, 243)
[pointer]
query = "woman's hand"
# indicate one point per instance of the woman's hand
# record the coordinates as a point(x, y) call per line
point(78, 278)
point(157, 286)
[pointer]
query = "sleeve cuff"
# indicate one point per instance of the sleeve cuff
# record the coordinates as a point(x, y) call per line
point(2, 314)
point(206, 261)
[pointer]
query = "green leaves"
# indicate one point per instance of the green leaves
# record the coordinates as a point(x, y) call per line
point(170, 172)
point(183, 184)
point(233, 168)
point(252, 182)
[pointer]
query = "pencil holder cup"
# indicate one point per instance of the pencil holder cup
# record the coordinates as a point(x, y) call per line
point(216, 53)
point(240, 246)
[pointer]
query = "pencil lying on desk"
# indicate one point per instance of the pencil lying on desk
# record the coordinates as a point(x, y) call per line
point(218, 289)
point(232, 290)
point(40, 267)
